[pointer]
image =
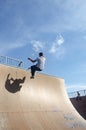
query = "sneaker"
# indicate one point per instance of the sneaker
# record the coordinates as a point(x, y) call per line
point(32, 77)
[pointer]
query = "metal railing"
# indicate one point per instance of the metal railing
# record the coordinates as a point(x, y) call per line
point(11, 61)
point(74, 94)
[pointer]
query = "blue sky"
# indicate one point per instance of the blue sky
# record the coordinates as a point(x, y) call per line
point(56, 27)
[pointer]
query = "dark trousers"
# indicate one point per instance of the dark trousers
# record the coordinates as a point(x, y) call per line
point(34, 68)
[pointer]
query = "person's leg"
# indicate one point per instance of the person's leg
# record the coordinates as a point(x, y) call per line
point(33, 70)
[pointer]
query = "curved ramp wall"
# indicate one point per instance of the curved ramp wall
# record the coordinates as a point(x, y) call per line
point(35, 104)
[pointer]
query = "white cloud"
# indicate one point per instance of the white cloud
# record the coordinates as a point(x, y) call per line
point(57, 47)
point(37, 45)
point(59, 40)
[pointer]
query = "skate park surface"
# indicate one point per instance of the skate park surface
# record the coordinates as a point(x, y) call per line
point(35, 104)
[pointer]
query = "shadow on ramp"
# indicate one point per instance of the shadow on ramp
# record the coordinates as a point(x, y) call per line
point(14, 85)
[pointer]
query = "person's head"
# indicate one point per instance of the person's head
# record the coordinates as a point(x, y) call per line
point(41, 54)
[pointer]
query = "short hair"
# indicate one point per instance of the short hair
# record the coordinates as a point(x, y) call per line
point(41, 54)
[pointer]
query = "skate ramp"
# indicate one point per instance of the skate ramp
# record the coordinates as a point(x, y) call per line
point(35, 104)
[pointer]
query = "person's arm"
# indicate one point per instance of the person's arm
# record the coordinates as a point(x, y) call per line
point(32, 60)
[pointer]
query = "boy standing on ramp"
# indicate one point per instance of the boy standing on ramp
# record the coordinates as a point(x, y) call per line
point(39, 66)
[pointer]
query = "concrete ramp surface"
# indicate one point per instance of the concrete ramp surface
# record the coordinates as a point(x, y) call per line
point(35, 104)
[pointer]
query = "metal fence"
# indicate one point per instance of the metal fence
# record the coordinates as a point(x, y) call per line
point(74, 94)
point(11, 61)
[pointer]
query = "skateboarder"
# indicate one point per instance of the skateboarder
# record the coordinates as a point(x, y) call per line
point(39, 66)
